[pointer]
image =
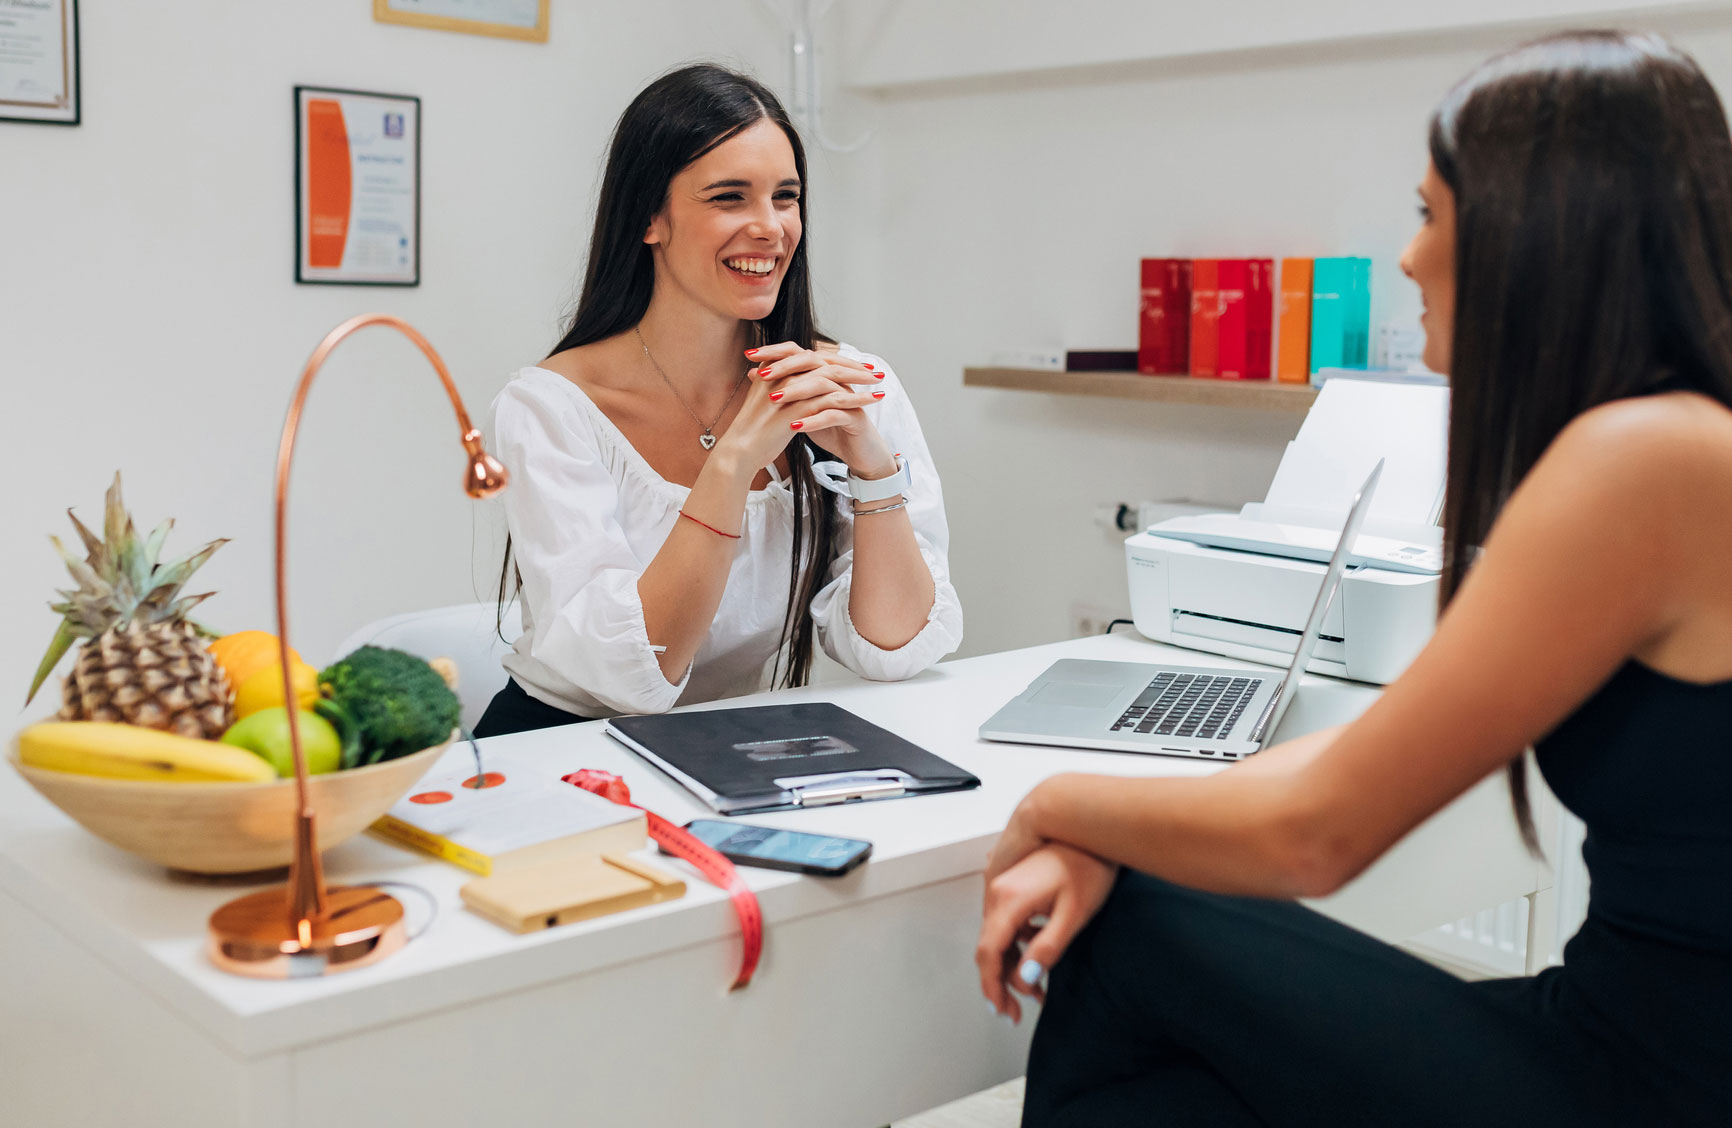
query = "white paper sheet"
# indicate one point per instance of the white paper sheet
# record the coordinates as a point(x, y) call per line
point(1351, 425)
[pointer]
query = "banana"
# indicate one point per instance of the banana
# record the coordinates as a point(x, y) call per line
point(116, 751)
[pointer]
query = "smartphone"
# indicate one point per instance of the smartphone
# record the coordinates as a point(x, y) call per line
point(770, 848)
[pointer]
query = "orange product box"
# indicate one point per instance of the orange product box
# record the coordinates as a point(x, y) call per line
point(1293, 343)
point(1205, 317)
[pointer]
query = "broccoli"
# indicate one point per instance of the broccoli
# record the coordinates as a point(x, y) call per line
point(399, 702)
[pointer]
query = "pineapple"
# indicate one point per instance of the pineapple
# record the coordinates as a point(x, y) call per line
point(145, 662)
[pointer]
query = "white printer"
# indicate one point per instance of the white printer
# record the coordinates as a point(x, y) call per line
point(1243, 584)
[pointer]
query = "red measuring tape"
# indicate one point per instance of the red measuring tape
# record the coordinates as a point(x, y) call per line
point(681, 843)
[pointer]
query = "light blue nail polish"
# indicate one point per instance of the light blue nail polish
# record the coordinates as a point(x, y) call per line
point(993, 1008)
point(1030, 972)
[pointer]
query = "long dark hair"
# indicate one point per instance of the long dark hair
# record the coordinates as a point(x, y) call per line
point(1592, 174)
point(673, 122)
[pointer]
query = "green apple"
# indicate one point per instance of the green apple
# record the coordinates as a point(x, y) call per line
point(266, 734)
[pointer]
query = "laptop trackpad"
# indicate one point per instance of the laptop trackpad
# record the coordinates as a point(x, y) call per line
point(1075, 693)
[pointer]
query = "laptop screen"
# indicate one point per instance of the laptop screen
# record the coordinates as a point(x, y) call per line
point(1325, 596)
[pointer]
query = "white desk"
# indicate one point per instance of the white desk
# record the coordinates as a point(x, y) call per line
point(864, 1010)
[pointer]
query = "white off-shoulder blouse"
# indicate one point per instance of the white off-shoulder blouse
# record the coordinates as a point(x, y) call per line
point(587, 514)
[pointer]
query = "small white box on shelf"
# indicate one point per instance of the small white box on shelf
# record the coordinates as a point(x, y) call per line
point(1047, 360)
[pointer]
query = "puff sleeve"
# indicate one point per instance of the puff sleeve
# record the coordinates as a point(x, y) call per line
point(580, 571)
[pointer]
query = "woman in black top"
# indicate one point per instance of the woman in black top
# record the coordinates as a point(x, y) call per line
point(1575, 259)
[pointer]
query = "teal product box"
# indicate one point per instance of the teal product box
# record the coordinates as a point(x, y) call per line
point(1358, 346)
point(1340, 313)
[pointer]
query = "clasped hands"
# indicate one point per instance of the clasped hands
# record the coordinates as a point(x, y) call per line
point(796, 391)
point(1039, 895)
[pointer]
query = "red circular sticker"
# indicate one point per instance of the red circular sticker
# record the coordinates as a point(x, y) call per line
point(491, 779)
point(432, 797)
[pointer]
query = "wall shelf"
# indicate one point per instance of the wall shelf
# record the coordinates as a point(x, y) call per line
point(1263, 395)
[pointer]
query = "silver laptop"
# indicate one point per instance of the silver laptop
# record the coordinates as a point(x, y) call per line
point(1221, 712)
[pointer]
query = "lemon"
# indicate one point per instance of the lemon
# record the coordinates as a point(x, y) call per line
point(264, 689)
point(266, 735)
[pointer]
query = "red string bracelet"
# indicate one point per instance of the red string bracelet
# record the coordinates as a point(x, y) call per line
point(711, 528)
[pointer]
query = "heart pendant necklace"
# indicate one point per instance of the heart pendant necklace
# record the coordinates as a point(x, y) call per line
point(707, 440)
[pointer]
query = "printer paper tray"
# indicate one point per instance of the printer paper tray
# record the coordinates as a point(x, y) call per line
point(1268, 639)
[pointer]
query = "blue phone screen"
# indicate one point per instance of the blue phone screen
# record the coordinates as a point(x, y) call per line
point(777, 845)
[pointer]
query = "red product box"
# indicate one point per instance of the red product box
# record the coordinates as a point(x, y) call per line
point(1233, 322)
point(1179, 318)
point(1164, 324)
point(1205, 316)
point(1261, 316)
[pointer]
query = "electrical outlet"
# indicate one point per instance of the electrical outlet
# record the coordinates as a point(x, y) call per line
point(1090, 619)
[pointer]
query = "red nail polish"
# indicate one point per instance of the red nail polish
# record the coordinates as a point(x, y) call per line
point(763, 371)
point(752, 352)
point(868, 366)
point(796, 424)
point(877, 375)
point(877, 395)
point(774, 396)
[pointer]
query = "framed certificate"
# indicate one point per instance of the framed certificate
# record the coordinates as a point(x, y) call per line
point(39, 61)
point(509, 19)
point(357, 187)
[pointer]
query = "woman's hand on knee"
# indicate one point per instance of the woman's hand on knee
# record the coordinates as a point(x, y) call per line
point(1034, 909)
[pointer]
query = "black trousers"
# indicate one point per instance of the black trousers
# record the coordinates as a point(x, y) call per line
point(513, 710)
point(1175, 1007)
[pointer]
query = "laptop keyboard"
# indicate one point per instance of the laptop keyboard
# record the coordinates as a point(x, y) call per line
point(1189, 705)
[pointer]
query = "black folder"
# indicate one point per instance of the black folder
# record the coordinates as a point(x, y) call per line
point(782, 757)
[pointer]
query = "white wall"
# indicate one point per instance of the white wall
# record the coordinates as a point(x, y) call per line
point(1014, 212)
point(908, 41)
point(149, 321)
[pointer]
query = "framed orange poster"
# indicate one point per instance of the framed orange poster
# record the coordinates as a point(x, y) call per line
point(357, 188)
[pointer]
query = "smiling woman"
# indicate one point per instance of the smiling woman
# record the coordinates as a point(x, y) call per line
point(705, 486)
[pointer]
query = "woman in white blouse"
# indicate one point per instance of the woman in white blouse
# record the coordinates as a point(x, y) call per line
point(701, 482)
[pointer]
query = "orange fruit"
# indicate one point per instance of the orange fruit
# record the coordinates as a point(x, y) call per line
point(245, 653)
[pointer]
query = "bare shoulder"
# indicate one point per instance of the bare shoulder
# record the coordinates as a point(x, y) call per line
point(598, 368)
point(1675, 447)
point(1638, 489)
point(1633, 489)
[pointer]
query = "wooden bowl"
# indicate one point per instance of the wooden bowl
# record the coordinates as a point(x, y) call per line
point(226, 827)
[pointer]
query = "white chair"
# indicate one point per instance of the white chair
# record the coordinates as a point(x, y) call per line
point(468, 634)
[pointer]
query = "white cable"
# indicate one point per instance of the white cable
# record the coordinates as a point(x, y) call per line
point(432, 903)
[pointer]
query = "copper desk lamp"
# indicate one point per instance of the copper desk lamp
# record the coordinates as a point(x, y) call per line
point(304, 929)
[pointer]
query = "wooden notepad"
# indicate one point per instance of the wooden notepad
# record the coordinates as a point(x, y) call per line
point(522, 817)
point(543, 896)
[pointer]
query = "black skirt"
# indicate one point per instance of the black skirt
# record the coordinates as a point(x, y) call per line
point(513, 710)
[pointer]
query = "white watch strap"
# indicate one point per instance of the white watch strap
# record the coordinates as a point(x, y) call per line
point(860, 489)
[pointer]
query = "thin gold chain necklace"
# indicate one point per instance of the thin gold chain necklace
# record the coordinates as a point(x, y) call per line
point(707, 440)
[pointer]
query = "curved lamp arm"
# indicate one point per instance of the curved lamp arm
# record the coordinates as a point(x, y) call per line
point(483, 477)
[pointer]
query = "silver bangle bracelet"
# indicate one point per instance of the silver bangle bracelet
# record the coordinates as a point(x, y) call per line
point(858, 512)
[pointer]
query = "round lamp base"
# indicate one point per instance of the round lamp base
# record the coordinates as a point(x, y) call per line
point(257, 935)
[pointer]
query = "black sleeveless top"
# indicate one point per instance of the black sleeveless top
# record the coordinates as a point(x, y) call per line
point(1646, 763)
